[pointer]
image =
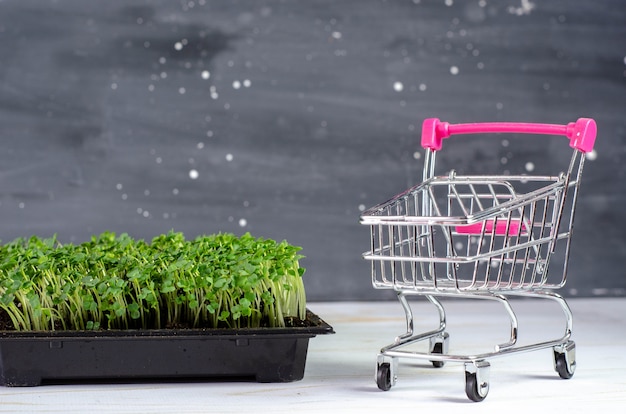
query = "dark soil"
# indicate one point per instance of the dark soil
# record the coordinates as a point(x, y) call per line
point(5, 321)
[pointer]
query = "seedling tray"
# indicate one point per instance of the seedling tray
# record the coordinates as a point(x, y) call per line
point(259, 354)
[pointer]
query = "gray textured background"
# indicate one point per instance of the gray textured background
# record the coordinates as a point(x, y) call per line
point(311, 112)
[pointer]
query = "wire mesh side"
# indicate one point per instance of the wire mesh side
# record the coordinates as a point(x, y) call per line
point(480, 235)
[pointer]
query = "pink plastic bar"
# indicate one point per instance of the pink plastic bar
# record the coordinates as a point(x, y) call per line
point(477, 228)
point(582, 133)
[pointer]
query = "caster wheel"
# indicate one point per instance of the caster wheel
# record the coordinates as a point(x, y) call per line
point(437, 349)
point(383, 376)
point(475, 391)
point(439, 345)
point(565, 360)
point(477, 380)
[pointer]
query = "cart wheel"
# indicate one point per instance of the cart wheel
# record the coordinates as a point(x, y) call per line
point(439, 345)
point(383, 376)
point(565, 360)
point(477, 380)
point(474, 391)
point(437, 349)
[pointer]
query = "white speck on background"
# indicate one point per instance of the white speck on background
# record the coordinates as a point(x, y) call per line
point(529, 166)
point(247, 83)
point(200, 145)
point(591, 155)
point(178, 46)
point(458, 246)
point(209, 133)
point(243, 222)
point(193, 174)
point(206, 74)
point(422, 87)
point(175, 191)
point(337, 35)
point(119, 186)
point(151, 88)
point(246, 203)
point(21, 204)
point(417, 155)
point(525, 8)
point(505, 143)
point(229, 157)
point(398, 86)
point(454, 70)
point(124, 196)
point(236, 84)
point(499, 106)
point(361, 207)
point(162, 60)
point(114, 86)
point(182, 90)
point(158, 160)
point(449, 3)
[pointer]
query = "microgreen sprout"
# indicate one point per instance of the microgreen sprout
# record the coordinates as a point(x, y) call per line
point(117, 282)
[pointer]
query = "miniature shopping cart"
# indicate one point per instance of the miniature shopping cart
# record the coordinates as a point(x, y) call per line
point(483, 237)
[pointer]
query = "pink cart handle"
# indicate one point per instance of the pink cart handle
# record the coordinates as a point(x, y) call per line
point(582, 133)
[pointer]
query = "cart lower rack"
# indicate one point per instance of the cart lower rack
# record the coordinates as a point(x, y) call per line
point(479, 237)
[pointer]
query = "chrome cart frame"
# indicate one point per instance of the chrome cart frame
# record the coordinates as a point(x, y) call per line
point(478, 237)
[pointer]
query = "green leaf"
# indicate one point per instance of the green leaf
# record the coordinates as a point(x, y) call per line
point(223, 316)
point(133, 309)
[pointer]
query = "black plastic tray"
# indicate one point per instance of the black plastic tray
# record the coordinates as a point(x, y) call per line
point(262, 354)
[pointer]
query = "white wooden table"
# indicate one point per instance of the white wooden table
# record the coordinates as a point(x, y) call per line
point(340, 368)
